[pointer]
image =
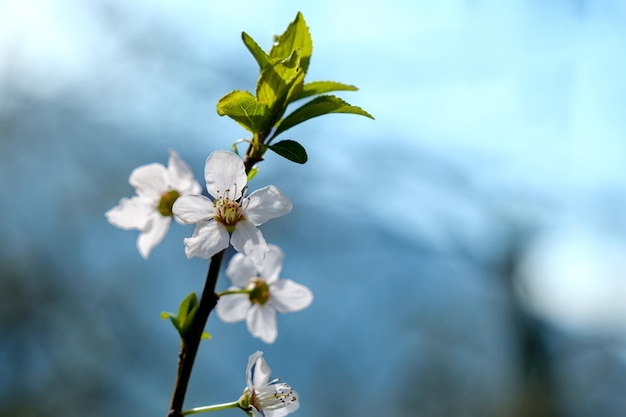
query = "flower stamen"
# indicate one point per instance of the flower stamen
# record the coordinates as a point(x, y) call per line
point(272, 396)
point(227, 210)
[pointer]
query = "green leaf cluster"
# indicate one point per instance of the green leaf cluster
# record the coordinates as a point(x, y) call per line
point(186, 314)
point(281, 83)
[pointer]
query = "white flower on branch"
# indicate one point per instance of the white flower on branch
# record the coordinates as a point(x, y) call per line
point(264, 397)
point(150, 211)
point(260, 293)
point(231, 217)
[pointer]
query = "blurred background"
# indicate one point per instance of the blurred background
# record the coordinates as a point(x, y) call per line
point(466, 250)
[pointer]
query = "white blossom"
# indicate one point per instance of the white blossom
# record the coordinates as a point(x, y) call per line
point(231, 217)
point(150, 210)
point(265, 294)
point(265, 397)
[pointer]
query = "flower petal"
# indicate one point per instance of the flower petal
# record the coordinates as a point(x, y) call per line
point(267, 203)
point(131, 213)
point(252, 359)
point(260, 372)
point(153, 234)
point(181, 176)
point(287, 296)
point(225, 171)
point(208, 239)
point(248, 239)
point(233, 307)
point(240, 270)
point(261, 321)
point(150, 181)
point(272, 264)
point(193, 208)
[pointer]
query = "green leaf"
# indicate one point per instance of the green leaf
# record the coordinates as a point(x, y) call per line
point(320, 87)
point(259, 54)
point(317, 107)
point(279, 82)
point(296, 36)
point(291, 150)
point(245, 109)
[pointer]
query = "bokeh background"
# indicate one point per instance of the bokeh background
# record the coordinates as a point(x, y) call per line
point(467, 250)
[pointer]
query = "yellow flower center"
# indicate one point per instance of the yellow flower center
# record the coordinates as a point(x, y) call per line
point(167, 201)
point(259, 291)
point(229, 211)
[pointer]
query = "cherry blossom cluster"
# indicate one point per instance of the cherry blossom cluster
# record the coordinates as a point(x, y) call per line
point(228, 217)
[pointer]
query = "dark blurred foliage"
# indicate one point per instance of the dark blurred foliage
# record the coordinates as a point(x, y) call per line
point(52, 348)
point(61, 330)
